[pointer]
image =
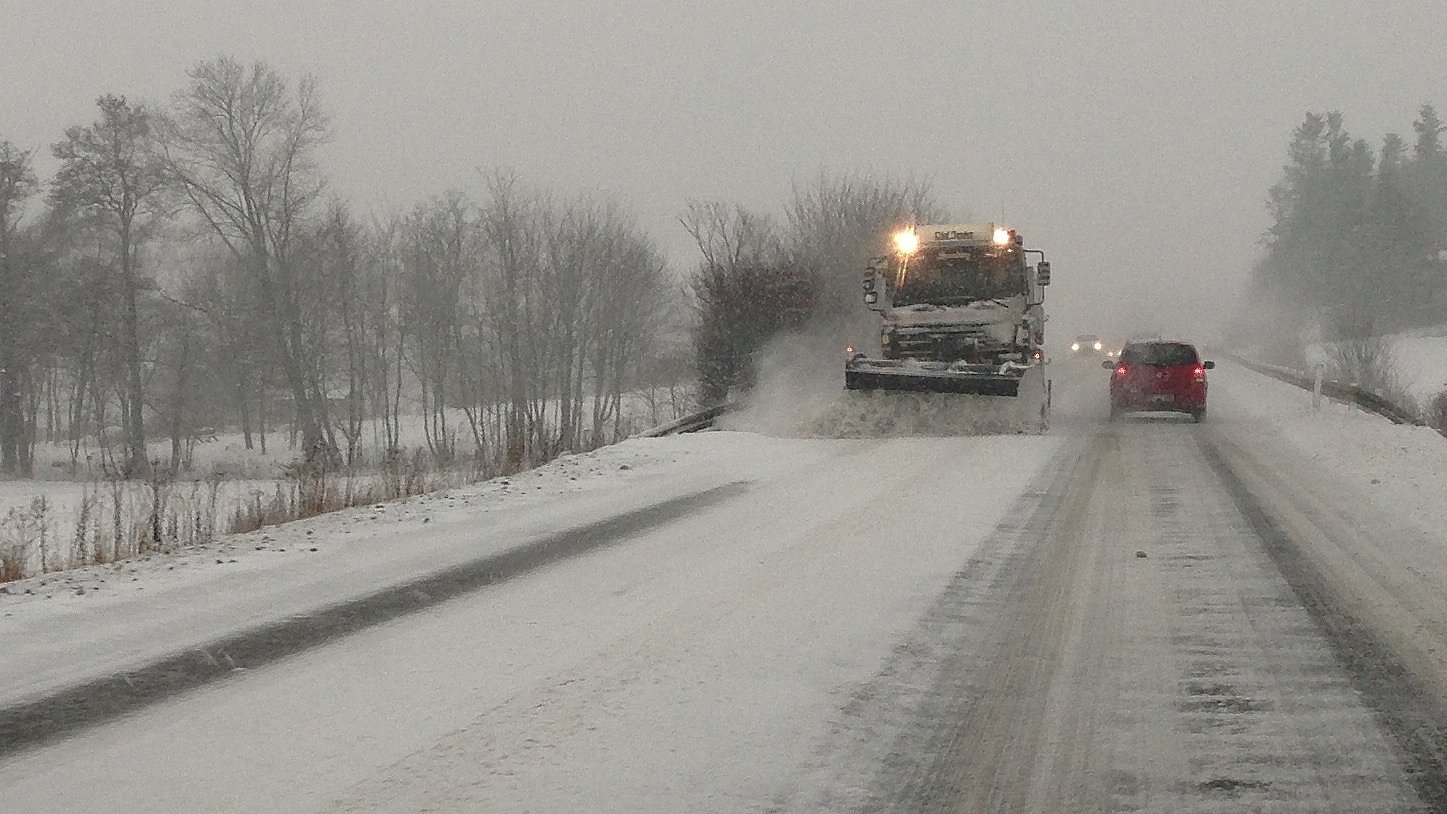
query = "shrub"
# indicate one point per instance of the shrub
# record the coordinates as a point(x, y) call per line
point(1370, 362)
point(1437, 412)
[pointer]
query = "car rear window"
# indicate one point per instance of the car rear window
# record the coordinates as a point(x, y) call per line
point(1159, 353)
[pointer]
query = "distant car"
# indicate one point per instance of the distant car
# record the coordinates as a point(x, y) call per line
point(1086, 345)
point(1158, 376)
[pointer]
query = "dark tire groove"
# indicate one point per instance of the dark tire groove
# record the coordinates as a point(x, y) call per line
point(924, 693)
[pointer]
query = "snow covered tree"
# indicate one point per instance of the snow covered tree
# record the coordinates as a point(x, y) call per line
point(1355, 243)
point(1429, 129)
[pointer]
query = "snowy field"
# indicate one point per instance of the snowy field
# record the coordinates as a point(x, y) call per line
point(225, 476)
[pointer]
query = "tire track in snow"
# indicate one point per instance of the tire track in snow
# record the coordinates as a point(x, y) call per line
point(897, 743)
point(1128, 647)
point(1406, 703)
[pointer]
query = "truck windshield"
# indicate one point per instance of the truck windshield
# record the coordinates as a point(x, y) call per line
point(958, 276)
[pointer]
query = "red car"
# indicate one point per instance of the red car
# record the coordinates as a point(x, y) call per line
point(1158, 376)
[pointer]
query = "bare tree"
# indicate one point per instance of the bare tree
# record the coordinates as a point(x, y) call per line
point(512, 228)
point(630, 308)
point(837, 222)
point(111, 171)
point(242, 147)
point(17, 185)
point(437, 258)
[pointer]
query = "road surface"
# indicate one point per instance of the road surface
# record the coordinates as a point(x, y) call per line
point(1140, 615)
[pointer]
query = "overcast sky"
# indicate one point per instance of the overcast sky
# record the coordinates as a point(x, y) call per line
point(1133, 141)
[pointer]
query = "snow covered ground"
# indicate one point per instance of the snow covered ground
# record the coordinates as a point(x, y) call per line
point(1422, 357)
point(50, 506)
point(718, 649)
point(67, 627)
point(803, 547)
point(1399, 469)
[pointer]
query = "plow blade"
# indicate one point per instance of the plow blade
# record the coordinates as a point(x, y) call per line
point(932, 381)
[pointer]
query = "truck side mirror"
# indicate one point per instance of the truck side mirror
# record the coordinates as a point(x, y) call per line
point(1209, 365)
point(874, 295)
point(1042, 272)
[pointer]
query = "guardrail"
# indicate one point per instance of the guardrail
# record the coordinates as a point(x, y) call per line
point(1333, 389)
point(701, 420)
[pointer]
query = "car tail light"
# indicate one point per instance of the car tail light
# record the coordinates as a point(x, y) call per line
point(1198, 374)
point(1120, 371)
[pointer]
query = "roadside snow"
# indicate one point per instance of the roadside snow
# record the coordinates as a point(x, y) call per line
point(1381, 486)
point(1423, 362)
point(1397, 466)
point(61, 629)
point(1421, 359)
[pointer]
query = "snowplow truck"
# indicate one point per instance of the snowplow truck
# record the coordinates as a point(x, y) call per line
point(961, 310)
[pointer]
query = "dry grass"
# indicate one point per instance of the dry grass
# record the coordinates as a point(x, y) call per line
point(12, 563)
point(121, 519)
point(116, 520)
point(1371, 364)
point(310, 489)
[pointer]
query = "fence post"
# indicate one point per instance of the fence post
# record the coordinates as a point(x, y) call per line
point(1316, 386)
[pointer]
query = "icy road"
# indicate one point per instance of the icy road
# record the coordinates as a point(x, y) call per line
point(1149, 615)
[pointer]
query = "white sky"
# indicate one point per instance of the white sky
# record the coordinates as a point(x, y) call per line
point(1134, 141)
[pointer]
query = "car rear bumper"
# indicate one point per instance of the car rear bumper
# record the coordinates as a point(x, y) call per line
point(1165, 402)
point(1175, 407)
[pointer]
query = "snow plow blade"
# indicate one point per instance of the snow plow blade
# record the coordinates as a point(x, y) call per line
point(923, 380)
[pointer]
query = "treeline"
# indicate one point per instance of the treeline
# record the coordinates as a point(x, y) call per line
point(187, 269)
point(1358, 241)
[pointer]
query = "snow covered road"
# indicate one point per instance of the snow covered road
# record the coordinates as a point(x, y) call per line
point(1105, 618)
point(717, 646)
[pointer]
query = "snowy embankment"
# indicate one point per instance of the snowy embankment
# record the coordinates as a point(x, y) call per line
point(63, 628)
point(1420, 358)
point(1347, 457)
